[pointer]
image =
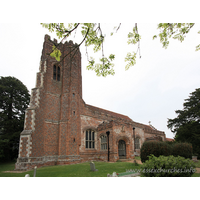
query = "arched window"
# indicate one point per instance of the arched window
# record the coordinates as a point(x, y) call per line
point(56, 73)
point(103, 142)
point(89, 139)
point(137, 143)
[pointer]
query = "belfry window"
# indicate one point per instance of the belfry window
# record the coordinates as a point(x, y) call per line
point(56, 73)
point(103, 142)
point(89, 139)
point(137, 143)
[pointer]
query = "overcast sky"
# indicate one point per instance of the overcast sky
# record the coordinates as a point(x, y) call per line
point(150, 91)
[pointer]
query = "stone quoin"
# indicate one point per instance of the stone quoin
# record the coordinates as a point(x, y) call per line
point(60, 128)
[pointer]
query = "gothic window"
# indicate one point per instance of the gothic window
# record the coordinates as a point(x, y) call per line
point(137, 143)
point(89, 139)
point(103, 142)
point(56, 73)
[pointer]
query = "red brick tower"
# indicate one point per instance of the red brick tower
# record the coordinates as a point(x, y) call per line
point(52, 124)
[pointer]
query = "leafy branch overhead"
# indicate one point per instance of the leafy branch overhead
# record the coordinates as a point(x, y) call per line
point(92, 34)
point(173, 30)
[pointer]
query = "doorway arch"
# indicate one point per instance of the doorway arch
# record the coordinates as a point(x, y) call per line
point(122, 149)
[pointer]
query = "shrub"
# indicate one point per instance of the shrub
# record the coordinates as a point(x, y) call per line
point(167, 166)
point(156, 148)
point(182, 149)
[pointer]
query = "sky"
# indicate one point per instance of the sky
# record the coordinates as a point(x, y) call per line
point(149, 91)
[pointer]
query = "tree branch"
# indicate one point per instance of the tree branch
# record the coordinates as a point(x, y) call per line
point(69, 32)
point(118, 27)
point(76, 47)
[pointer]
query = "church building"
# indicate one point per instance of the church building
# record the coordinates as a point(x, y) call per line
point(60, 128)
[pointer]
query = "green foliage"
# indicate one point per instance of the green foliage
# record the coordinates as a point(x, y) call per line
point(14, 99)
point(186, 125)
point(156, 148)
point(56, 53)
point(131, 59)
point(134, 37)
point(168, 166)
point(92, 34)
point(4, 144)
point(197, 164)
point(104, 68)
point(198, 47)
point(182, 149)
point(173, 30)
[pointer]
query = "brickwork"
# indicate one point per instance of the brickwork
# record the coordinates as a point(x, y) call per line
point(57, 119)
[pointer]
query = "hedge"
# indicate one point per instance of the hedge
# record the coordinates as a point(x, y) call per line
point(168, 166)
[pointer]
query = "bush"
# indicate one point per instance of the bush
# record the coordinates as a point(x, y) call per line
point(156, 148)
point(167, 166)
point(182, 149)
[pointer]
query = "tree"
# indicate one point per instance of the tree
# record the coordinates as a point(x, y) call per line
point(186, 125)
point(14, 99)
point(92, 34)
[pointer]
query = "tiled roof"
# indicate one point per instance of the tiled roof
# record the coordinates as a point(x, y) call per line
point(112, 114)
point(118, 116)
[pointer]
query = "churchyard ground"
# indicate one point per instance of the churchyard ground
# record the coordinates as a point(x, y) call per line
point(77, 170)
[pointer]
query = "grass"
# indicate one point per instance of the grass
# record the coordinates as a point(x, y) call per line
point(137, 158)
point(75, 170)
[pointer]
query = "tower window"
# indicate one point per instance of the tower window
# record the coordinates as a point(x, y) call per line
point(56, 73)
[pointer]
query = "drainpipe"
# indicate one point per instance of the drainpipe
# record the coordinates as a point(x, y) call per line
point(108, 133)
point(134, 138)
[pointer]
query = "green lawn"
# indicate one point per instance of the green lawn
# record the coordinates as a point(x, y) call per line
point(76, 170)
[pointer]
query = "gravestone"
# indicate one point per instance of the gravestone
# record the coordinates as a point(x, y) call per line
point(194, 158)
point(114, 174)
point(92, 167)
point(35, 169)
point(108, 175)
point(27, 175)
